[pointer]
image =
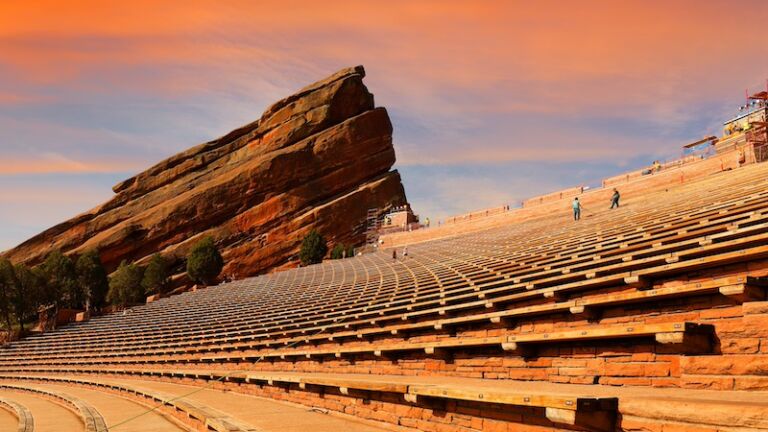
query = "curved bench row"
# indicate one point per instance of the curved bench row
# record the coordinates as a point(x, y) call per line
point(596, 413)
point(22, 413)
point(412, 310)
point(753, 204)
point(92, 419)
point(208, 417)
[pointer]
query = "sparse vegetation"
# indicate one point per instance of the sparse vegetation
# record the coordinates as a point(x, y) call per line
point(21, 292)
point(62, 288)
point(157, 276)
point(313, 248)
point(125, 285)
point(31, 292)
point(339, 251)
point(8, 293)
point(204, 262)
point(92, 279)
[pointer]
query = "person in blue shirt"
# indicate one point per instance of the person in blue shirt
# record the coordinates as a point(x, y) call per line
point(576, 209)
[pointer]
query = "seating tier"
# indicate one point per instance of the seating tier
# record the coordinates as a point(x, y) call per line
point(655, 295)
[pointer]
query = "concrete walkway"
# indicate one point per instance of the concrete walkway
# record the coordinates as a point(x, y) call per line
point(49, 416)
point(718, 408)
point(266, 415)
point(115, 410)
point(8, 421)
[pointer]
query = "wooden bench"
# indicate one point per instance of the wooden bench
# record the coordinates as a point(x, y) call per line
point(588, 411)
point(691, 337)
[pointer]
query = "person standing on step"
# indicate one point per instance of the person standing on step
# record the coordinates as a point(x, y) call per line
point(615, 198)
point(576, 209)
point(405, 252)
point(394, 254)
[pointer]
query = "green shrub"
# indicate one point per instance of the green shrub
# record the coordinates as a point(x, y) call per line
point(61, 281)
point(31, 292)
point(157, 276)
point(338, 251)
point(313, 248)
point(204, 262)
point(8, 290)
point(92, 279)
point(125, 285)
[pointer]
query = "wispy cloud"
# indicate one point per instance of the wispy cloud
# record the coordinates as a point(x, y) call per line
point(52, 163)
point(93, 86)
point(31, 203)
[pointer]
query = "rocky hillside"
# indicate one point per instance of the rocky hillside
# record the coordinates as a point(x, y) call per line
point(317, 159)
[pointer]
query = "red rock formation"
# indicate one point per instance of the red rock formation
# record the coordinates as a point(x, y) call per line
point(317, 159)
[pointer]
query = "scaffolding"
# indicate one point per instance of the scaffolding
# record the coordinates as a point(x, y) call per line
point(372, 225)
point(757, 134)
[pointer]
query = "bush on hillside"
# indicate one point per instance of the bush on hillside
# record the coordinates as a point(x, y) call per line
point(31, 293)
point(125, 285)
point(204, 262)
point(313, 248)
point(338, 251)
point(61, 281)
point(92, 279)
point(8, 293)
point(157, 275)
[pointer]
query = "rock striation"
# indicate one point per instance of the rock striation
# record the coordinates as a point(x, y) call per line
point(318, 159)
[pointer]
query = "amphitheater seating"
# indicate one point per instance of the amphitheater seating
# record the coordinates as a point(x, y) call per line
point(208, 417)
point(91, 418)
point(559, 407)
point(22, 413)
point(556, 322)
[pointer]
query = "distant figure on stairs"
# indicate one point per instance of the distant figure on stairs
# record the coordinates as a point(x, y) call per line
point(576, 209)
point(394, 254)
point(615, 198)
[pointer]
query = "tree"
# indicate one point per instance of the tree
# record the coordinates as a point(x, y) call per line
point(204, 262)
point(125, 285)
point(31, 289)
point(92, 279)
point(313, 248)
point(338, 251)
point(157, 275)
point(8, 289)
point(61, 281)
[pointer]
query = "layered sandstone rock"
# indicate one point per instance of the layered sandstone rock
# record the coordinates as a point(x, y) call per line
point(317, 159)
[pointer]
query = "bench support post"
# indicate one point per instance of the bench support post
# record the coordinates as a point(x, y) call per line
point(743, 292)
point(638, 282)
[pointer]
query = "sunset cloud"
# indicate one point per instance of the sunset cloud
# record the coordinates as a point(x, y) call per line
point(111, 87)
point(31, 203)
point(50, 163)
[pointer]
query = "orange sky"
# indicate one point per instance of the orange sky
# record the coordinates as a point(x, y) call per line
point(111, 87)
